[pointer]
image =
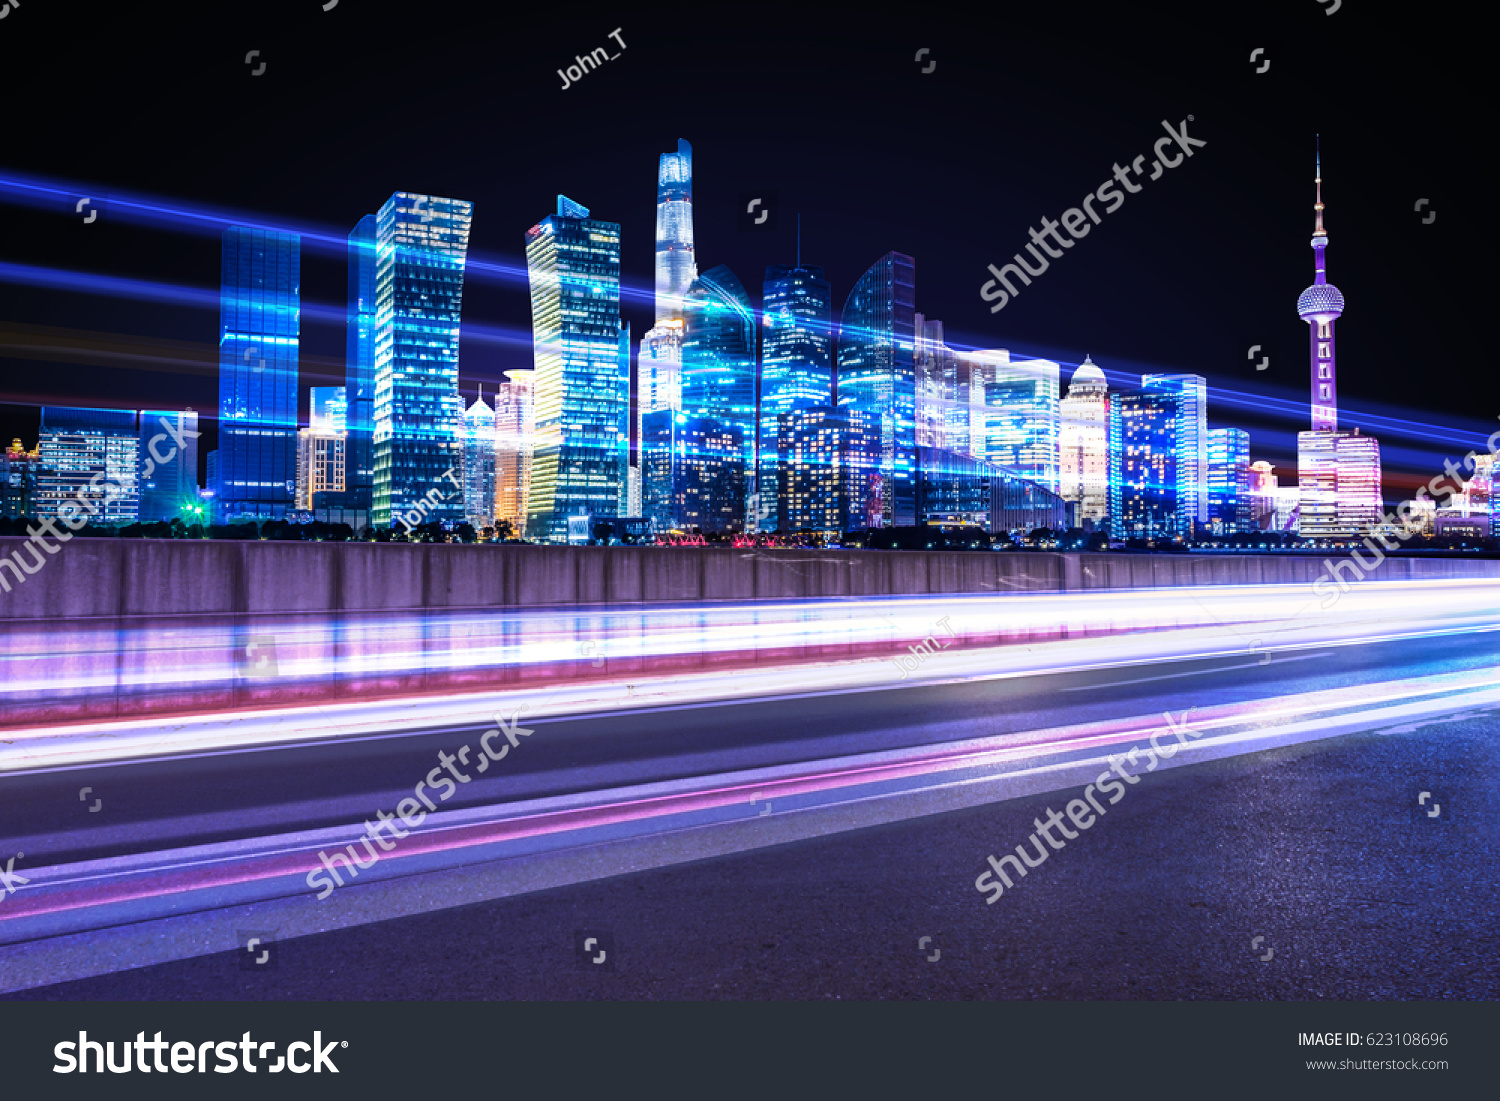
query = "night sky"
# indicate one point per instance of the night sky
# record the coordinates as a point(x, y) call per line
point(1027, 110)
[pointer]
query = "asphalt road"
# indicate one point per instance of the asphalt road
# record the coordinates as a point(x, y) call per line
point(222, 796)
point(1320, 849)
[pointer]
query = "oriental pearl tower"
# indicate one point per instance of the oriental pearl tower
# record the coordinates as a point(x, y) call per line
point(1320, 306)
point(1338, 473)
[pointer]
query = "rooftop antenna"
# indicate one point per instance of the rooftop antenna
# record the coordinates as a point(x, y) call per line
point(799, 239)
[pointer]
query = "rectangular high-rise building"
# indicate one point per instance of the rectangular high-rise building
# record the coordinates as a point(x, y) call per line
point(1143, 481)
point(1338, 483)
point(829, 477)
point(169, 464)
point(877, 375)
point(1189, 395)
point(421, 242)
point(260, 310)
point(92, 455)
point(1230, 509)
point(796, 367)
point(581, 391)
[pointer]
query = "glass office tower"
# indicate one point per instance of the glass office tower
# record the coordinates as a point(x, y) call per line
point(718, 381)
point(420, 245)
point(1143, 459)
point(1229, 500)
point(359, 372)
point(581, 395)
point(877, 374)
point(796, 366)
point(1190, 432)
point(168, 486)
point(260, 309)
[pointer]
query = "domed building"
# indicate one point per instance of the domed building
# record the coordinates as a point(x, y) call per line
point(1083, 444)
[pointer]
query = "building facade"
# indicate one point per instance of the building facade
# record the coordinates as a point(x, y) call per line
point(1022, 416)
point(581, 398)
point(479, 464)
point(513, 430)
point(92, 455)
point(796, 367)
point(260, 309)
point(877, 375)
point(829, 472)
point(1230, 506)
point(421, 243)
point(169, 465)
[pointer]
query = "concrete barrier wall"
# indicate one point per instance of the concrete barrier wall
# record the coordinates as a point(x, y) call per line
point(117, 628)
point(89, 578)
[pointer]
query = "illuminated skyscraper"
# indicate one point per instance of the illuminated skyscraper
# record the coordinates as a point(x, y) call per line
point(513, 432)
point(421, 245)
point(658, 381)
point(1338, 473)
point(260, 309)
point(582, 387)
point(1158, 457)
point(1083, 443)
point(658, 373)
point(1143, 465)
point(1229, 500)
point(479, 464)
point(1189, 429)
point(877, 375)
point(829, 476)
point(359, 375)
point(676, 263)
point(1021, 416)
point(796, 366)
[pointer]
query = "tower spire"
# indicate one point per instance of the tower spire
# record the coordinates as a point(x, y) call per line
point(1319, 231)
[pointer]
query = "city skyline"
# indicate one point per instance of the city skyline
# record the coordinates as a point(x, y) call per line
point(704, 387)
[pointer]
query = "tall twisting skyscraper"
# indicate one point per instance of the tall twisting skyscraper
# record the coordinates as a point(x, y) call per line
point(260, 310)
point(659, 365)
point(676, 264)
point(1338, 473)
point(421, 243)
point(582, 389)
